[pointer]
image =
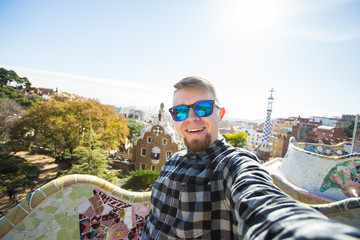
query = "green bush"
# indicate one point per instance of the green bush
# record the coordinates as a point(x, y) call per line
point(16, 173)
point(141, 180)
point(9, 164)
point(30, 170)
point(123, 174)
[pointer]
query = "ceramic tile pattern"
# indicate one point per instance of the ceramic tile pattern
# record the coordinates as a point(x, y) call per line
point(329, 175)
point(345, 176)
point(82, 207)
point(321, 173)
point(102, 216)
point(341, 149)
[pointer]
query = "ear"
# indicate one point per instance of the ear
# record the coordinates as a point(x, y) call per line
point(221, 113)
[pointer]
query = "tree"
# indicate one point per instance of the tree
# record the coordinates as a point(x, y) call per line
point(91, 159)
point(8, 76)
point(349, 130)
point(10, 92)
point(61, 124)
point(9, 111)
point(134, 128)
point(8, 108)
point(238, 139)
point(27, 83)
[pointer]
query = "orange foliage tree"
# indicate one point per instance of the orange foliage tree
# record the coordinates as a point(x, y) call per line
point(62, 124)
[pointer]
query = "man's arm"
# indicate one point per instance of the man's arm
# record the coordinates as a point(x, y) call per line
point(263, 211)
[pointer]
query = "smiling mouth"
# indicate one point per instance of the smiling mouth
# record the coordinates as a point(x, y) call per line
point(195, 130)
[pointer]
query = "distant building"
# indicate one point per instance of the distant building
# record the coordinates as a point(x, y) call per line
point(325, 121)
point(253, 136)
point(326, 133)
point(346, 120)
point(222, 131)
point(279, 146)
point(307, 132)
point(133, 114)
point(42, 92)
point(302, 129)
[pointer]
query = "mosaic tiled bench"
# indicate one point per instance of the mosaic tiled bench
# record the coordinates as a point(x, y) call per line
point(78, 207)
point(329, 182)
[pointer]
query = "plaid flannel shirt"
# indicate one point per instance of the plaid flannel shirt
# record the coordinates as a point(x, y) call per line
point(225, 193)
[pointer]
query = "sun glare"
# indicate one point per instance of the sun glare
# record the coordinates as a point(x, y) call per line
point(255, 16)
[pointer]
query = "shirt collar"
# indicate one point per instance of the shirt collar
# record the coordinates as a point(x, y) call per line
point(213, 148)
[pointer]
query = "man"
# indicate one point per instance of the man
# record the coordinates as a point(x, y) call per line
point(215, 191)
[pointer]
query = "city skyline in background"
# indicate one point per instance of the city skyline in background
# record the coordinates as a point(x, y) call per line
point(131, 53)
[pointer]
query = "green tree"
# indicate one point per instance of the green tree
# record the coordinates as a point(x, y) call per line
point(11, 93)
point(26, 83)
point(91, 159)
point(349, 130)
point(8, 76)
point(238, 139)
point(134, 128)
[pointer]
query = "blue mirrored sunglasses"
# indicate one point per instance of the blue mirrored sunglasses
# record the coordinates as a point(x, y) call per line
point(202, 109)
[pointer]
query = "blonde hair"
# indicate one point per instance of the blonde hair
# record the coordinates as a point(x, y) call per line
point(195, 83)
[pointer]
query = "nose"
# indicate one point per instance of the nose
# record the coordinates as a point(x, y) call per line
point(192, 115)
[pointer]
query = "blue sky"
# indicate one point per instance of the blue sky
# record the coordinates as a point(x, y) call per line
point(132, 52)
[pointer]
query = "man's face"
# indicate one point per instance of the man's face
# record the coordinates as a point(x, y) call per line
point(198, 132)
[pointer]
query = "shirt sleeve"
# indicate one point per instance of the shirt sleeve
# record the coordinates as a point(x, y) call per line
point(263, 211)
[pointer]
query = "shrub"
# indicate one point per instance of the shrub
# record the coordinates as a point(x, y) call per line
point(30, 170)
point(141, 180)
point(9, 164)
point(16, 173)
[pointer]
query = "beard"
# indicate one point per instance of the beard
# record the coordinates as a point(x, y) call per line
point(198, 145)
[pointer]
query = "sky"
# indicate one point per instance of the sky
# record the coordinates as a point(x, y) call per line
point(130, 53)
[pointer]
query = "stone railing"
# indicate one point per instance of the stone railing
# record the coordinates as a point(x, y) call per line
point(78, 207)
point(328, 182)
point(334, 177)
point(340, 149)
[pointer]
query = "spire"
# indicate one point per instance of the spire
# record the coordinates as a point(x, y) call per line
point(265, 141)
point(161, 112)
point(265, 148)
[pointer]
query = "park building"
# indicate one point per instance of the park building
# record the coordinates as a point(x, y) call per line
point(155, 144)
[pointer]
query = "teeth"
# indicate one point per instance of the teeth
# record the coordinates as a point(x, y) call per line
point(195, 130)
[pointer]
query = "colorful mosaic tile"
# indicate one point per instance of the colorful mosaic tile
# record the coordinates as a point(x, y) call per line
point(346, 176)
point(329, 150)
point(102, 216)
point(78, 207)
